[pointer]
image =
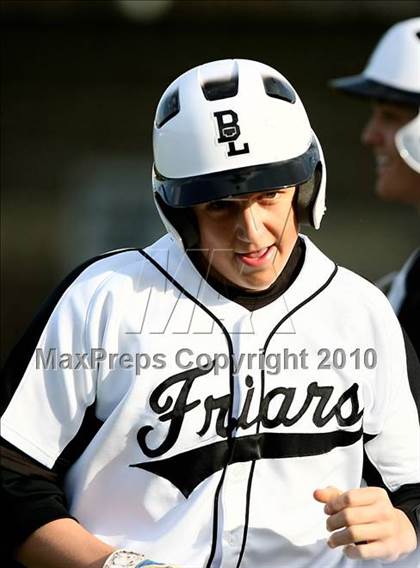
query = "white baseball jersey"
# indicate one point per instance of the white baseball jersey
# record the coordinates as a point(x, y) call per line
point(214, 424)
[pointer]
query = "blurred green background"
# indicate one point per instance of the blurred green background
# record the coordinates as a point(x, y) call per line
point(80, 82)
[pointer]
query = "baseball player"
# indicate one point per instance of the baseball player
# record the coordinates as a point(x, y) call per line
point(391, 80)
point(205, 402)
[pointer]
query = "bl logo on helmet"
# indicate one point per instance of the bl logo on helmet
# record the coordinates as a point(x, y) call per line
point(229, 131)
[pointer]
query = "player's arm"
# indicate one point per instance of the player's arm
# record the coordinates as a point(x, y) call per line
point(38, 526)
point(63, 543)
point(38, 424)
point(36, 520)
point(48, 419)
point(32, 496)
point(375, 522)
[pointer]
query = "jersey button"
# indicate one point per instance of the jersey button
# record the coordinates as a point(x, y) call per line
point(231, 539)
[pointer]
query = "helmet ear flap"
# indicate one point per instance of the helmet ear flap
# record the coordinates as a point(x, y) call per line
point(184, 221)
point(305, 197)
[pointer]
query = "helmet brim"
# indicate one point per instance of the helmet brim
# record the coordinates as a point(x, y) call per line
point(185, 192)
point(361, 86)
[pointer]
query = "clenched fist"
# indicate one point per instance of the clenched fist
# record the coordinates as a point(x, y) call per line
point(365, 522)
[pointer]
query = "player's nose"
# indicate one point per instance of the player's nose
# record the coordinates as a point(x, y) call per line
point(372, 133)
point(249, 223)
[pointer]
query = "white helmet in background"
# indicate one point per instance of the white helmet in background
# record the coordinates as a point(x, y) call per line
point(229, 128)
point(393, 74)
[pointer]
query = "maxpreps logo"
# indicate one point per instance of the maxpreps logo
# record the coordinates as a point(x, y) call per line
point(229, 132)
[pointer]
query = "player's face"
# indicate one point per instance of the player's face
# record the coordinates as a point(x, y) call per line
point(395, 180)
point(247, 240)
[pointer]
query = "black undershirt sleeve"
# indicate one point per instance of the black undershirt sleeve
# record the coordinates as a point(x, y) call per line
point(32, 496)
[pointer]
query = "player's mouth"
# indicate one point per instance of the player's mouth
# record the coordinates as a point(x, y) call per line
point(256, 257)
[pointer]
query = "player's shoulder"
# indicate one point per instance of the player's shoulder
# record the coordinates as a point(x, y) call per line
point(115, 270)
point(361, 282)
point(113, 265)
point(103, 264)
point(348, 286)
point(94, 272)
point(362, 290)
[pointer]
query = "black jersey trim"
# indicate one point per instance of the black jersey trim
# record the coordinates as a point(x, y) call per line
point(231, 388)
point(286, 317)
point(204, 461)
point(370, 474)
point(280, 323)
point(247, 512)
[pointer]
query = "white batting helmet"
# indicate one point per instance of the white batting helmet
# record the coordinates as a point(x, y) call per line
point(233, 127)
point(393, 74)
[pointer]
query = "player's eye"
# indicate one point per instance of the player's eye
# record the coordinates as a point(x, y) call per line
point(390, 117)
point(269, 195)
point(221, 205)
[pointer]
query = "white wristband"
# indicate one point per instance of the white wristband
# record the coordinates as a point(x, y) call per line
point(123, 559)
